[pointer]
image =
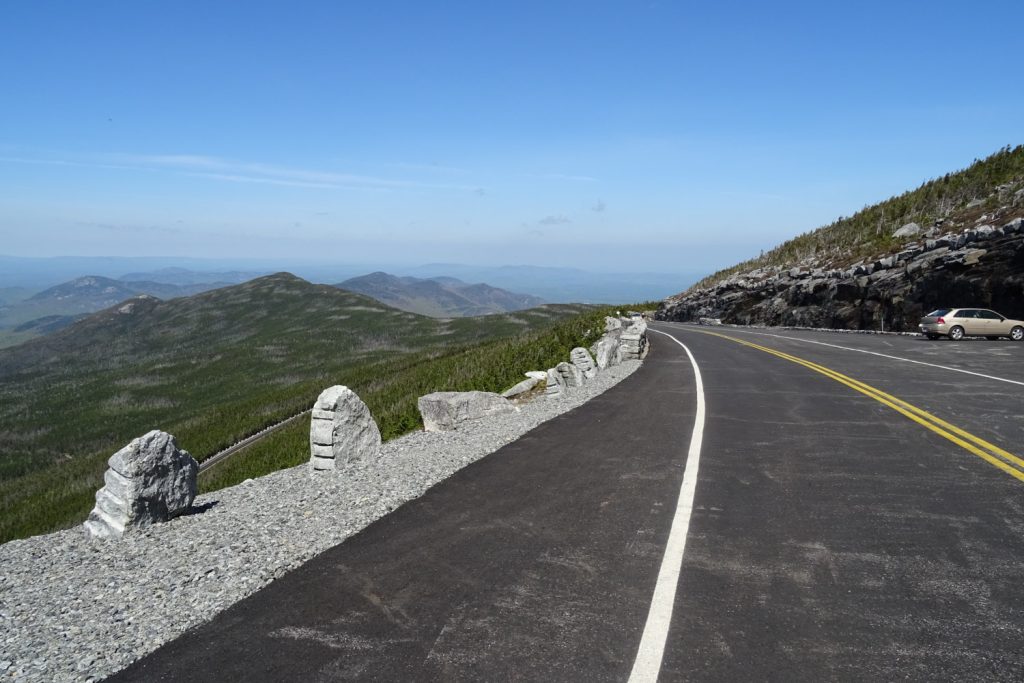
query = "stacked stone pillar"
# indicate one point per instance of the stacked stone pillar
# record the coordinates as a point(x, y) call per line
point(341, 430)
point(150, 480)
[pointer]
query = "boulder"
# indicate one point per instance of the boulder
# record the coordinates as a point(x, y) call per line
point(342, 429)
point(582, 359)
point(607, 351)
point(523, 387)
point(908, 230)
point(538, 374)
point(571, 375)
point(444, 410)
point(555, 384)
point(151, 480)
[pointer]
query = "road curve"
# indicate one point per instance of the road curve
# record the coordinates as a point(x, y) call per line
point(831, 535)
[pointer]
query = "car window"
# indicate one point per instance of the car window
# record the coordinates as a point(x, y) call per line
point(938, 313)
point(966, 313)
point(989, 315)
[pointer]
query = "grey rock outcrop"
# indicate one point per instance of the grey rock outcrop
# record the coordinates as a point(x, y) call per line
point(611, 324)
point(571, 375)
point(151, 480)
point(582, 359)
point(982, 266)
point(908, 230)
point(342, 429)
point(444, 410)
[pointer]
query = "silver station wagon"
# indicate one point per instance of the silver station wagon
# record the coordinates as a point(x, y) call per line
point(957, 323)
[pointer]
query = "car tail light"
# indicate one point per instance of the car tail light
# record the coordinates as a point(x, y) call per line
point(941, 320)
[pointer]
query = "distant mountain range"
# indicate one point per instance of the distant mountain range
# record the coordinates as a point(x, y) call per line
point(59, 306)
point(549, 283)
point(437, 290)
point(566, 284)
point(439, 297)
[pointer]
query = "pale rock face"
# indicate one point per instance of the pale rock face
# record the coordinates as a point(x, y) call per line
point(908, 230)
point(582, 359)
point(611, 324)
point(444, 410)
point(571, 375)
point(607, 351)
point(523, 387)
point(537, 374)
point(150, 481)
point(341, 430)
point(555, 383)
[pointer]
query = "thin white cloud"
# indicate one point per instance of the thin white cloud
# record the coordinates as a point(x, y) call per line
point(433, 168)
point(265, 181)
point(229, 170)
point(555, 220)
point(239, 171)
point(130, 228)
point(564, 176)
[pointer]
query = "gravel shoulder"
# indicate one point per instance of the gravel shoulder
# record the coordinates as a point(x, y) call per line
point(74, 608)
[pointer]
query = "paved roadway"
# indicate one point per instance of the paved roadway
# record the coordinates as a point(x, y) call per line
point(836, 534)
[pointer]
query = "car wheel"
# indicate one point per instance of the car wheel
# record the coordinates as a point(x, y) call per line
point(956, 333)
point(1017, 333)
point(932, 336)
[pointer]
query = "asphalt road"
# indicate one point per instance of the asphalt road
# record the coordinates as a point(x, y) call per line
point(832, 537)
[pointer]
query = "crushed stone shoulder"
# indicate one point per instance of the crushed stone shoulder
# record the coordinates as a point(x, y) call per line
point(74, 608)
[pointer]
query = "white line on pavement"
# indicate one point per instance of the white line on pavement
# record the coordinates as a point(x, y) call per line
point(652, 644)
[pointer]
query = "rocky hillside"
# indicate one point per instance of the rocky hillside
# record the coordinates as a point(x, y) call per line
point(955, 241)
point(439, 297)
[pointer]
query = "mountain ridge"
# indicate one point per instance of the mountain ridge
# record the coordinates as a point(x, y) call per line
point(62, 304)
point(439, 297)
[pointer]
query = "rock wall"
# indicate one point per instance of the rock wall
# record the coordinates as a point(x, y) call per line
point(444, 411)
point(980, 266)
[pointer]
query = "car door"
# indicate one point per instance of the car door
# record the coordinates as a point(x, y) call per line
point(994, 324)
point(967, 319)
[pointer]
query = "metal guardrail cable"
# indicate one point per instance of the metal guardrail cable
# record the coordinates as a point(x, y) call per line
point(225, 453)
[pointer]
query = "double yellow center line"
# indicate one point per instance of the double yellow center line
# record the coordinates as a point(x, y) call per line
point(990, 453)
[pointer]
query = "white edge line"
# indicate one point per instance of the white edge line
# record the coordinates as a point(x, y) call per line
point(652, 644)
point(883, 355)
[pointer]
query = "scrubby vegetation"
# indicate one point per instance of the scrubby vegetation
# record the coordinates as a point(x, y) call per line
point(869, 231)
point(492, 366)
point(214, 368)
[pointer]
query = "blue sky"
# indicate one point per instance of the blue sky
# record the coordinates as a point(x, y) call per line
point(664, 135)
